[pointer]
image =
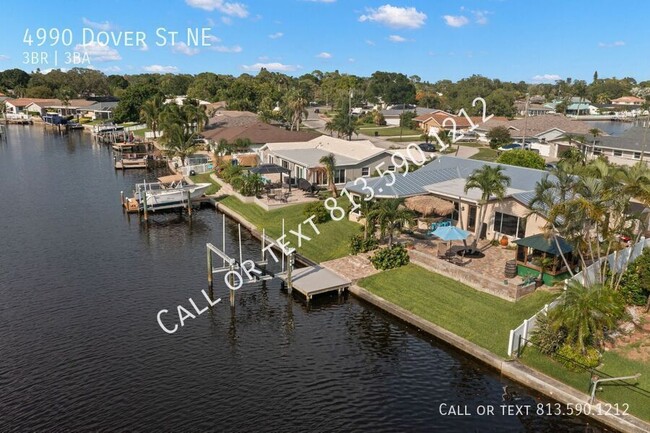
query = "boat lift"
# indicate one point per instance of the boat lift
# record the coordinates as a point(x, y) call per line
point(232, 267)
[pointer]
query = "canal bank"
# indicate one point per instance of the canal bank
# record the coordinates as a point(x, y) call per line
point(506, 367)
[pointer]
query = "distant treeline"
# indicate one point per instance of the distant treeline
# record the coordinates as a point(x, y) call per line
point(263, 92)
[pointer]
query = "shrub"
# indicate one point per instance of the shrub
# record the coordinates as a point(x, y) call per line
point(317, 209)
point(575, 360)
point(547, 337)
point(499, 136)
point(635, 283)
point(358, 245)
point(522, 158)
point(390, 258)
point(227, 171)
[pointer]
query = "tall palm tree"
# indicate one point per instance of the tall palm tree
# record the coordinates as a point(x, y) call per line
point(194, 115)
point(179, 142)
point(492, 183)
point(296, 106)
point(366, 210)
point(391, 215)
point(329, 163)
point(150, 113)
point(595, 132)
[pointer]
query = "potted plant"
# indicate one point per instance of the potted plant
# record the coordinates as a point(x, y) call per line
point(504, 241)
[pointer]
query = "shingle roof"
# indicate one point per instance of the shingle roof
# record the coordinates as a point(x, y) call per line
point(535, 125)
point(258, 133)
point(635, 139)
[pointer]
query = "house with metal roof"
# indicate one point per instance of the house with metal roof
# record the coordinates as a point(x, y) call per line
point(354, 159)
point(445, 178)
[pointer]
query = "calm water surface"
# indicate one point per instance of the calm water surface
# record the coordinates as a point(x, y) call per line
point(80, 349)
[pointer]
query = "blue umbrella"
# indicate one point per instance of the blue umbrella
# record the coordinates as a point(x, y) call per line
point(451, 233)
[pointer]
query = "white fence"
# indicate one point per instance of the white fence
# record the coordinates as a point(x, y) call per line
point(135, 127)
point(617, 262)
point(198, 169)
point(19, 116)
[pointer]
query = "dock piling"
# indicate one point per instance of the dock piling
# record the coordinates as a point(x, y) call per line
point(189, 204)
point(209, 260)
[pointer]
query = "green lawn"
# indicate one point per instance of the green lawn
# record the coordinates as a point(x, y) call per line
point(331, 243)
point(485, 154)
point(480, 318)
point(612, 364)
point(205, 178)
point(392, 131)
point(406, 140)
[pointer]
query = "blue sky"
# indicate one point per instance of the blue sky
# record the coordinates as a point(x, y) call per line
point(506, 39)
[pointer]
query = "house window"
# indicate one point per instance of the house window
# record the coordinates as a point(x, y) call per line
point(637, 155)
point(339, 176)
point(270, 159)
point(300, 172)
point(285, 164)
point(509, 225)
point(618, 153)
point(365, 171)
point(391, 168)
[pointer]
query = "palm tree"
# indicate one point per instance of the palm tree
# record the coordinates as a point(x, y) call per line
point(296, 106)
point(492, 183)
point(249, 184)
point(366, 210)
point(194, 115)
point(179, 142)
point(585, 313)
point(150, 112)
point(391, 215)
point(595, 132)
point(329, 163)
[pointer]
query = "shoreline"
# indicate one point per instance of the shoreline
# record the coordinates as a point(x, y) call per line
point(512, 369)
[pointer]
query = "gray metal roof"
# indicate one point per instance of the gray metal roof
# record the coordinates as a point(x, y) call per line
point(635, 139)
point(311, 157)
point(443, 169)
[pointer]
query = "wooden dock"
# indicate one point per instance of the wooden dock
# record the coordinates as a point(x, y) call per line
point(314, 280)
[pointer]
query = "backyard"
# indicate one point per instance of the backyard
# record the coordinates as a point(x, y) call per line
point(205, 178)
point(331, 243)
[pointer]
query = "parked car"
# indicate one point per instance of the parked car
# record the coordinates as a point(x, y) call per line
point(427, 147)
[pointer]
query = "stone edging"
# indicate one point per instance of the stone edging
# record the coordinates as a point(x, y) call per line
point(512, 369)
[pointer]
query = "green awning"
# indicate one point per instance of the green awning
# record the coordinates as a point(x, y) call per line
point(548, 245)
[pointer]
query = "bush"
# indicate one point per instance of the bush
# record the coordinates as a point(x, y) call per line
point(547, 337)
point(390, 258)
point(317, 209)
point(522, 158)
point(573, 359)
point(635, 283)
point(227, 171)
point(358, 245)
point(499, 136)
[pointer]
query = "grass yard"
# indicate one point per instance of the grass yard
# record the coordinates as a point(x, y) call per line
point(392, 131)
point(205, 178)
point(331, 243)
point(486, 154)
point(480, 318)
point(612, 364)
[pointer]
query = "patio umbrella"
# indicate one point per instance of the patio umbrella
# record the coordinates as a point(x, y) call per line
point(451, 233)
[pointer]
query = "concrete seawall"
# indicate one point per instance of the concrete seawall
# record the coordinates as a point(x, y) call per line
point(511, 369)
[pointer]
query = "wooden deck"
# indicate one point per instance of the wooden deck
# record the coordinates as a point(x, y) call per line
point(314, 280)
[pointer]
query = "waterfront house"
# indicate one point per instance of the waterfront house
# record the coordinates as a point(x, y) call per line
point(547, 134)
point(258, 133)
point(354, 159)
point(628, 100)
point(531, 109)
point(392, 114)
point(445, 178)
point(625, 149)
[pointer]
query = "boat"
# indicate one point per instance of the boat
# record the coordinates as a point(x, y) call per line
point(158, 195)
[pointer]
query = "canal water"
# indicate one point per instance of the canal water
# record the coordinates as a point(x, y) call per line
point(80, 349)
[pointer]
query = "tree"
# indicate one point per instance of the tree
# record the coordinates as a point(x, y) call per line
point(391, 215)
point(296, 106)
point(595, 133)
point(586, 312)
point(522, 158)
point(499, 136)
point(492, 183)
point(150, 112)
point(179, 142)
point(249, 184)
point(128, 109)
point(13, 78)
point(329, 163)
point(391, 88)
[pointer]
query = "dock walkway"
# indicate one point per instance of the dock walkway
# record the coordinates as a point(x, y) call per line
point(314, 280)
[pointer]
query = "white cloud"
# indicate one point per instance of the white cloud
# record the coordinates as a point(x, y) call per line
point(160, 69)
point(4, 57)
point(274, 66)
point(396, 38)
point(225, 49)
point(183, 48)
point(324, 55)
point(369, 42)
point(546, 77)
point(98, 53)
point(612, 44)
point(105, 26)
point(111, 69)
point(352, 60)
point(396, 17)
point(213, 39)
point(456, 20)
point(276, 35)
point(238, 10)
point(226, 20)
point(144, 46)
point(263, 58)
